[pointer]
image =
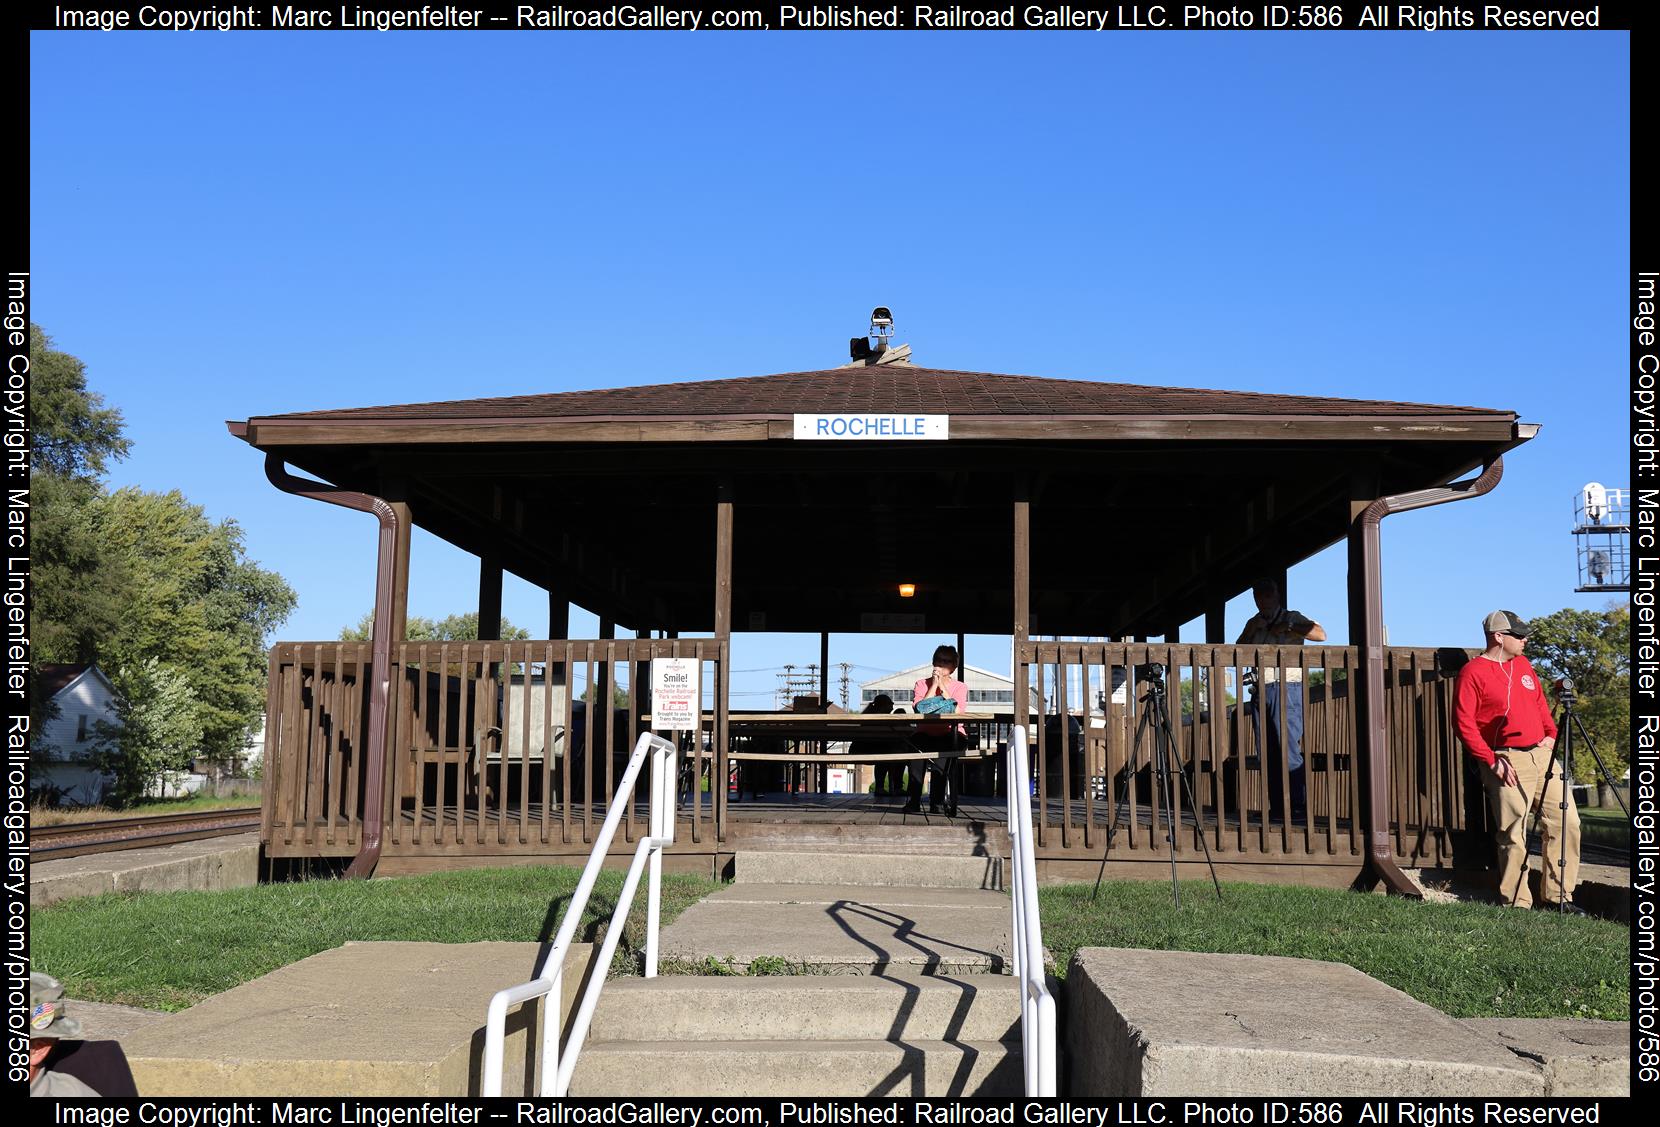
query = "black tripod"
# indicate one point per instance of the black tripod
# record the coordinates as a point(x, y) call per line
point(1155, 723)
point(1564, 757)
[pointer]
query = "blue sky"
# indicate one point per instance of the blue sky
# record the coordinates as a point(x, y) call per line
point(239, 224)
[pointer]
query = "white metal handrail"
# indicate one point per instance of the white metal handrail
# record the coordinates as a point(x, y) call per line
point(556, 1072)
point(1037, 1005)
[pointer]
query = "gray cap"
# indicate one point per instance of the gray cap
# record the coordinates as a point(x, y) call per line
point(1505, 622)
point(47, 1014)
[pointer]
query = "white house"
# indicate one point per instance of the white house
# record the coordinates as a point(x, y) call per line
point(60, 753)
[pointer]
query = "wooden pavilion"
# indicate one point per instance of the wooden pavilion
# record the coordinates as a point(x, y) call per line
point(1037, 507)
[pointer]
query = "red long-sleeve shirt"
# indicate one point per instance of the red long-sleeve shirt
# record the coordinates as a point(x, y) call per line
point(1499, 705)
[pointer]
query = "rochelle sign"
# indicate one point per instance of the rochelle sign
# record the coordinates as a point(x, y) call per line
point(873, 427)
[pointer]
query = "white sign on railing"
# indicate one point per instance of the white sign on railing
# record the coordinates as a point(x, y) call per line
point(676, 702)
point(873, 428)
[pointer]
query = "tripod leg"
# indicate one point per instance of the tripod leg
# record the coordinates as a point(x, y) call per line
point(1127, 774)
point(1569, 714)
point(1161, 771)
point(1199, 823)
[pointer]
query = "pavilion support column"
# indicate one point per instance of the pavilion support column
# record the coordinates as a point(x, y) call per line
point(489, 598)
point(723, 639)
point(400, 572)
point(1216, 623)
point(1023, 627)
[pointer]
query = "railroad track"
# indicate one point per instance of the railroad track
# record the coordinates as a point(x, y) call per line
point(49, 843)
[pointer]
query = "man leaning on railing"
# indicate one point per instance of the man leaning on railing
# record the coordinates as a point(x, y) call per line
point(1274, 625)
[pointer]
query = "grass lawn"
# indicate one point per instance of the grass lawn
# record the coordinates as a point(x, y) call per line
point(1606, 815)
point(1468, 960)
point(169, 950)
point(57, 816)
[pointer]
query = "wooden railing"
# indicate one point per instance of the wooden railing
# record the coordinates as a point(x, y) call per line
point(1100, 793)
point(316, 721)
point(490, 744)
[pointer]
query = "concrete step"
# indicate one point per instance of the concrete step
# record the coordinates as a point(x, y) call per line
point(867, 869)
point(900, 1005)
point(799, 1068)
point(957, 838)
point(848, 930)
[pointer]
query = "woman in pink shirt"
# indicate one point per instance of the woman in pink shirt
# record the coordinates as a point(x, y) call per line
point(933, 739)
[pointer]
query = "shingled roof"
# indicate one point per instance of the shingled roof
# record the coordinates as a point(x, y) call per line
point(890, 389)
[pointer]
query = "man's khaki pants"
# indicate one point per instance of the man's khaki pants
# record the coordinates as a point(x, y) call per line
point(1512, 809)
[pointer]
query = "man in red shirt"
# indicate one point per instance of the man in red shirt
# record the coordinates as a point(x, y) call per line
point(1503, 718)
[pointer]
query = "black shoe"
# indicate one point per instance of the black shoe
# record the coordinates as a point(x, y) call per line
point(912, 807)
point(1568, 909)
point(933, 808)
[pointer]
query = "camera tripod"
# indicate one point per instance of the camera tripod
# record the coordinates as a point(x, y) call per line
point(1154, 726)
point(1566, 726)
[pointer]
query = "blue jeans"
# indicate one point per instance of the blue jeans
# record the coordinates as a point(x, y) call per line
point(1293, 700)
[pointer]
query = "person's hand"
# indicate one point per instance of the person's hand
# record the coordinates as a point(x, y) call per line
point(1503, 769)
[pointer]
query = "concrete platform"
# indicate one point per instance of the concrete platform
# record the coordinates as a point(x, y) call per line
point(879, 869)
point(846, 930)
point(1578, 1058)
point(209, 864)
point(1153, 1023)
point(365, 1019)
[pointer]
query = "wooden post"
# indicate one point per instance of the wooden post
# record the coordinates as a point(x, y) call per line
point(1023, 617)
point(1216, 623)
point(823, 703)
point(723, 637)
point(489, 598)
point(400, 575)
point(1363, 490)
point(559, 618)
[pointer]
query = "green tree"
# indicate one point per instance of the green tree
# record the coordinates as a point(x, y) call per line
point(73, 433)
point(1594, 648)
point(454, 628)
point(198, 606)
point(159, 725)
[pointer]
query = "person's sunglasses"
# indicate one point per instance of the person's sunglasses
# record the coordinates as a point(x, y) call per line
point(1509, 634)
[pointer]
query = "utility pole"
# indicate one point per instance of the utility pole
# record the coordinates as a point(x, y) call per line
point(845, 667)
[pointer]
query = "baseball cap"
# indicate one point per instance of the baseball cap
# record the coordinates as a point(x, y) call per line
point(1505, 622)
point(47, 1016)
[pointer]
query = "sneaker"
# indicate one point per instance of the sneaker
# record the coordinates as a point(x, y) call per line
point(912, 807)
point(933, 808)
point(1568, 909)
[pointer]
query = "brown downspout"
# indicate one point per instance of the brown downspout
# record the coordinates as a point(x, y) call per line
point(380, 647)
point(1374, 722)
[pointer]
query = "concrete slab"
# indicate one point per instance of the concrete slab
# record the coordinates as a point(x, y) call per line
point(1579, 1058)
point(852, 933)
point(909, 870)
point(365, 1019)
point(815, 1068)
point(1148, 1023)
point(898, 1005)
point(104, 1021)
point(209, 864)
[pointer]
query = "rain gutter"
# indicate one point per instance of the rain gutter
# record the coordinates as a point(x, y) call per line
point(1374, 720)
point(380, 647)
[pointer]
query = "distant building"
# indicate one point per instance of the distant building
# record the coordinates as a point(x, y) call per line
point(987, 691)
point(61, 754)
